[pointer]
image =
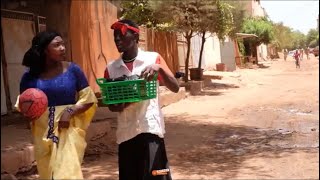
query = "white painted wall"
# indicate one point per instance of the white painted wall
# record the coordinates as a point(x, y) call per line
point(17, 37)
point(228, 54)
point(262, 52)
point(211, 53)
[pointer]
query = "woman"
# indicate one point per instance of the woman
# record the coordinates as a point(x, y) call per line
point(59, 134)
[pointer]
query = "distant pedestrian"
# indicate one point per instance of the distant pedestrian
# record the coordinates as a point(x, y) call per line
point(296, 56)
point(301, 54)
point(285, 53)
point(307, 52)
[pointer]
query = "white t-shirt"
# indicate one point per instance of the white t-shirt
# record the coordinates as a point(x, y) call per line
point(142, 117)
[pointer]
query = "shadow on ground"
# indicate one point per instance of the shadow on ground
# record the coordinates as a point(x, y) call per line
point(263, 66)
point(197, 146)
point(208, 148)
point(216, 85)
point(214, 89)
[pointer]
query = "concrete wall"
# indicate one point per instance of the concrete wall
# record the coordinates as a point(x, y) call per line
point(262, 52)
point(227, 50)
point(17, 36)
point(57, 15)
point(257, 9)
point(253, 8)
point(211, 52)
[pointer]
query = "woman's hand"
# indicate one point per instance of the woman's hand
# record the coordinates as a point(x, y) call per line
point(64, 121)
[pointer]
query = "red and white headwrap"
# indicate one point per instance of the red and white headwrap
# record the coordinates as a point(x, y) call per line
point(123, 27)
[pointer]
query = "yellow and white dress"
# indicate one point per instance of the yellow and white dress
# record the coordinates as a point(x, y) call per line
point(59, 154)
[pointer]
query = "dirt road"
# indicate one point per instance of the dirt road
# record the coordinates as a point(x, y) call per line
point(253, 124)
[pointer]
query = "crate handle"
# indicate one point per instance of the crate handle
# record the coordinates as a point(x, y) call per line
point(155, 77)
point(101, 81)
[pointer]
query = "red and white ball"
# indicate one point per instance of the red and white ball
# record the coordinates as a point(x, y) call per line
point(33, 103)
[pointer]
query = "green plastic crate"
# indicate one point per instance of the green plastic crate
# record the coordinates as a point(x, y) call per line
point(127, 91)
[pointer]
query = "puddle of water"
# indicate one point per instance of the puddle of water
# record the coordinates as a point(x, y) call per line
point(293, 111)
point(303, 114)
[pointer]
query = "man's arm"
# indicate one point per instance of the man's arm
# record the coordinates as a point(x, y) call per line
point(167, 76)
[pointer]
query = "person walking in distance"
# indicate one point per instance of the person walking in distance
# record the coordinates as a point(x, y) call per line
point(307, 52)
point(296, 56)
point(285, 54)
point(301, 54)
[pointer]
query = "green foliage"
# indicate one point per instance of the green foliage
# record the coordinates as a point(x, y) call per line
point(298, 40)
point(213, 16)
point(225, 24)
point(138, 11)
point(261, 27)
point(282, 36)
point(314, 42)
point(286, 38)
point(186, 17)
point(312, 38)
point(238, 12)
point(144, 13)
point(241, 47)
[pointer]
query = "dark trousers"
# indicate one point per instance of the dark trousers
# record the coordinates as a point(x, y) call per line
point(140, 155)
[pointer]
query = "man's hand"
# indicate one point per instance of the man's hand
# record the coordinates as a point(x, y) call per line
point(150, 71)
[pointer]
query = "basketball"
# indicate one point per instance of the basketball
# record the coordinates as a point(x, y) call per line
point(33, 103)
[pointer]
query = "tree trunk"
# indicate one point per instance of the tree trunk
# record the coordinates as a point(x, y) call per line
point(188, 37)
point(203, 40)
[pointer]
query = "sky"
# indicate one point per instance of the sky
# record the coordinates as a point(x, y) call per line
point(299, 15)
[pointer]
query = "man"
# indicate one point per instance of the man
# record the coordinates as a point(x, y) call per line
point(140, 132)
point(301, 54)
point(296, 56)
point(307, 52)
point(285, 53)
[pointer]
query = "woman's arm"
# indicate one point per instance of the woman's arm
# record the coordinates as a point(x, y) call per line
point(78, 108)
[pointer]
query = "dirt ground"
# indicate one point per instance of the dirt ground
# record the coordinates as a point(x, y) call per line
point(252, 124)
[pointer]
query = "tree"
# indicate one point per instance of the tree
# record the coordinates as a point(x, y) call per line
point(314, 42)
point(298, 40)
point(312, 38)
point(214, 17)
point(186, 17)
point(282, 36)
point(139, 11)
point(261, 27)
point(179, 16)
point(197, 16)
